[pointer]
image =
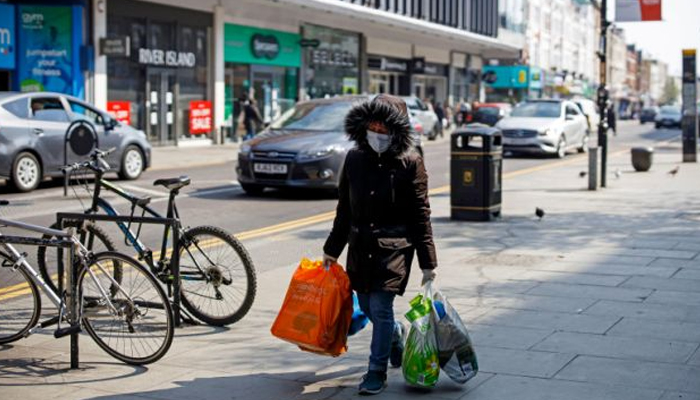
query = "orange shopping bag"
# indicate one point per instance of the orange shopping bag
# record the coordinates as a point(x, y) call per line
point(317, 309)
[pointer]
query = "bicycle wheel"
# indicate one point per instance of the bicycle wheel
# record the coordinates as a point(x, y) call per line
point(20, 304)
point(95, 240)
point(134, 323)
point(217, 276)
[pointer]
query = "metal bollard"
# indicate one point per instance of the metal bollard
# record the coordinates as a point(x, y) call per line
point(593, 155)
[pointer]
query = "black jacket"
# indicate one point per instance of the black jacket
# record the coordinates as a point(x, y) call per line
point(383, 210)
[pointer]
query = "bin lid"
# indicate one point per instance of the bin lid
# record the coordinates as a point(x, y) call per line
point(477, 130)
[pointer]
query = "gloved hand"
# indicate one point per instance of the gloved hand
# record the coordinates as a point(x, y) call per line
point(428, 276)
point(328, 260)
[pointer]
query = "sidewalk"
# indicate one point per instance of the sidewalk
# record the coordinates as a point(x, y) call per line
point(600, 300)
point(172, 157)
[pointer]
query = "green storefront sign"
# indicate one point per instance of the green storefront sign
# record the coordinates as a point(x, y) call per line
point(248, 45)
point(508, 76)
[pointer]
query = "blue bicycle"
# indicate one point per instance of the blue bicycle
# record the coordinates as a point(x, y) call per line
point(217, 276)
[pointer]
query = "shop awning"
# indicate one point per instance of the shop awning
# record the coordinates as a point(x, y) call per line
point(458, 40)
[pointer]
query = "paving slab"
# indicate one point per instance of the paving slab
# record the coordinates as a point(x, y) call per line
point(503, 387)
point(633, 373)
point(618, 347)
point(507, 337)
point(591, 292)
point(607, 269)
point(680, 396)
point(646, 310)
point(537, 364)
point(695, 359)
point(688, 273)
point(675, 263)
point(674, 297)
point(528, 302)
point(571, 278)
point(670, 330)
point(548, 320)
point(678, 285)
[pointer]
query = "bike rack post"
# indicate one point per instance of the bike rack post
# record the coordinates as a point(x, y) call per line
point(73, 305)
point(175, 258)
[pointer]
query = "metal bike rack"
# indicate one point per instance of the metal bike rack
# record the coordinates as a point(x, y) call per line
point(174, 258)
point(73, 304)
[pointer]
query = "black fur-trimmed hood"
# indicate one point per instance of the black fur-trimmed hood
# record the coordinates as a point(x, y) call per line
point(399, 125)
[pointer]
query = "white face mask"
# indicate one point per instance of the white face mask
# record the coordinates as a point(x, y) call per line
point(378, 142)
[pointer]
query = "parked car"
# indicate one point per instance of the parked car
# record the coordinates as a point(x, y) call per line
point(425, 115)
point(648, 114)
point(304, 148)
point(545, 126)
point(32, 136)
point(668, 116)
point(590, 110)
point(491, 113)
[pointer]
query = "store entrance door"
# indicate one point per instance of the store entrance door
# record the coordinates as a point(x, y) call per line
point(160, 106)
point(268, 85)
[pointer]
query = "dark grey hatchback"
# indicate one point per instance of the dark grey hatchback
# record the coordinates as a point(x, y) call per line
point(32, 135)
point(305, 147)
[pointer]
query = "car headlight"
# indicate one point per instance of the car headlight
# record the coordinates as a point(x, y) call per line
point(317, 153)
point(244, 149)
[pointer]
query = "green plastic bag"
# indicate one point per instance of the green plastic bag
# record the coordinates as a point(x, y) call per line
point(420, 363)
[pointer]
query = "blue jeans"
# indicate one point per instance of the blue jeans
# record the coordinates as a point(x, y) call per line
point(378, 306)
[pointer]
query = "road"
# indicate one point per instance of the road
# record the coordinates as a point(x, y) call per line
point(214, 198)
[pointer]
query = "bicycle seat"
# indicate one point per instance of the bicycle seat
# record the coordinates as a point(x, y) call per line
point(173, 183)
point(4, 203)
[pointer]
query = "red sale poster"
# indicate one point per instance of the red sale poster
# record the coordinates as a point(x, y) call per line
point(200, 117)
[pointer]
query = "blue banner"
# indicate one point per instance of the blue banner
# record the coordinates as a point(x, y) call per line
point(7, 36)
point(48, 53)
point(508, 76)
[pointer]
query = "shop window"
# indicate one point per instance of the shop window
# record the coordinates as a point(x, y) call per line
point(48, 109)
point(18, 108)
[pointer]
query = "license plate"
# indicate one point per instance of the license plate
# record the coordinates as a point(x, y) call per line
point(270, 168)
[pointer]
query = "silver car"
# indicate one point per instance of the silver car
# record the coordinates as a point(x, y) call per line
point(424, 115)
point(32, 134)
point(545, 126)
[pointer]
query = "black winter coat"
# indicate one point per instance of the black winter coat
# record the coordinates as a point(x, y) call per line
point(383, 210)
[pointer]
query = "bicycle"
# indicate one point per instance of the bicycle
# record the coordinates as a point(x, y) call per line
point(131, 320)
point(213, 263)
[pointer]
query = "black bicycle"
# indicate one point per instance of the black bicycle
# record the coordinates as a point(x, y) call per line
point(217, 276)
point(131, 319)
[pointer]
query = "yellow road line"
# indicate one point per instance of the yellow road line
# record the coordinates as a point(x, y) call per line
point(16, 290)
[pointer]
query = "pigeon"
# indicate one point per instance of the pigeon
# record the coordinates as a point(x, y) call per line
point(539, 212)
point(674, 171)
point(618, 174)
point(582, 174)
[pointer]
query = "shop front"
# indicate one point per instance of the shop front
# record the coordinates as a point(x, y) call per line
point(389, 75)
point(7, 45)
point(164, 75)
point(429, 80)
point(263, 65)
point(41, 46)
point(506, 83)
point(331, 62)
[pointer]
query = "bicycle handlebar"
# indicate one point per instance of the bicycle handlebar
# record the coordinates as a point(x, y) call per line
point(97, 157)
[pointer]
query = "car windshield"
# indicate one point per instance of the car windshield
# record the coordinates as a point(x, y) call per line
point(537, 110)
point(491, 111)
point(670, 110)
point(314, 117)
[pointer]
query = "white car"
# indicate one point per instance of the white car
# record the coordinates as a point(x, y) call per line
point(545, 126)
point(424, 114)
point(590, 110)
point(668, 116)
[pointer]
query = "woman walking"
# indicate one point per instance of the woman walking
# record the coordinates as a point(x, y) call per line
point(384, 214)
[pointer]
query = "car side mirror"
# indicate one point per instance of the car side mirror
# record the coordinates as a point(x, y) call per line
point(110, 124)
point(569, 117)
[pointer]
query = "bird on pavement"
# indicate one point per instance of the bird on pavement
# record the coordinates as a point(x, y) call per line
point(582, 174)
point(539, 213)
point(674, 171)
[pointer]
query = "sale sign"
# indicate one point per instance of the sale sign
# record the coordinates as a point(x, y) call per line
point(200, 117)
point(637, 10)
point(120, 110)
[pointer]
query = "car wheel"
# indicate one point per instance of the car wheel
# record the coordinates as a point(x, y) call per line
point(26, 172)
point(561, 147)
point(132, 163)
point(252, 189)
point(584, 144)
point(434, 133)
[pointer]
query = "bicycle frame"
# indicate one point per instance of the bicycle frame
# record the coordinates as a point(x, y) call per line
point(143, 250)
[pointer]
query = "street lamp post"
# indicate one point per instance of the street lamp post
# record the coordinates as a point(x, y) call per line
point(603, 93)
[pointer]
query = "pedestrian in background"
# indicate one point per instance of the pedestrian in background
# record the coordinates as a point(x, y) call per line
point(384, 214)
point(612, 118)
point(251, 117)
point(440, 113)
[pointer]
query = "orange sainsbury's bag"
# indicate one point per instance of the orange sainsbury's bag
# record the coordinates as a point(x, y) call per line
point(317, 309)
